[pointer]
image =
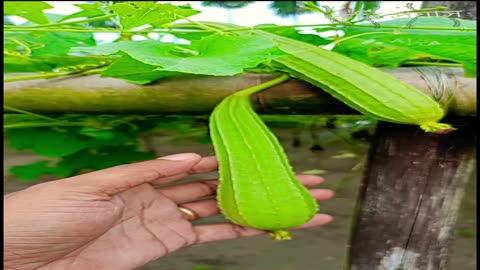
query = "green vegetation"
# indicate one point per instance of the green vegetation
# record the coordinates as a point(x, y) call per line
point(51, 45)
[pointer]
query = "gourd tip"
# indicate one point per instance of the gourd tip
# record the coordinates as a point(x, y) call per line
point(437, 128)
point(281, 235)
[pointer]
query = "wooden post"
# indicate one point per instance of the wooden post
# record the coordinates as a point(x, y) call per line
point(410, 197)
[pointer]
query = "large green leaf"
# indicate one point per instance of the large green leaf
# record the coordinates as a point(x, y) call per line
point(363, 7)
point(86, 159)
point(46, 142)
point(193, 35)
point(44, 44)
point(30, 10)
point(134, 71)
point(212, 55)
point(139, 13)
point(99, 159)
point(60, 43)
point(12, 64)
point(43, 51)
point(32, 171)
point(295, 34)
point(395, 48)
point(88, 10)
point(96, 142)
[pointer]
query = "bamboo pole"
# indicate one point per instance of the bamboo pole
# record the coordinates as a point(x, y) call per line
point(189, 94)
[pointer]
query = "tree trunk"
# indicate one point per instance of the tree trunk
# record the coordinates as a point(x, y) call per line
point(468, 8)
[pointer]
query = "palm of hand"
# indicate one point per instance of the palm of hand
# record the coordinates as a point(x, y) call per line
point(139, 222)
point(116, 219)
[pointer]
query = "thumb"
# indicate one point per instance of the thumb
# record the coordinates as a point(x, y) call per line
point(123, 177)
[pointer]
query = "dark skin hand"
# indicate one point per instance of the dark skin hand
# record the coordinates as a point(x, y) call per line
point(116, 218)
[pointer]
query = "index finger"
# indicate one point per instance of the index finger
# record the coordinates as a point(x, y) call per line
point(205, 165)
point(123, 177)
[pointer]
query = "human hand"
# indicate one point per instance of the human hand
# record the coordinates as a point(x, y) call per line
point(116, 219)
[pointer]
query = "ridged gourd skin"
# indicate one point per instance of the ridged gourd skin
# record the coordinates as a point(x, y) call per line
point(383, 96)
point(258, 187)
point(364, 88)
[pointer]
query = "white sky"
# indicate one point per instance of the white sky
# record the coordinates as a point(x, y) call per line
point(253, 14)
point(250, 15)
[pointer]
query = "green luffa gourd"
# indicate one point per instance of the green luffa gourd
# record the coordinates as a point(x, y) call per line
point(358, 85)
point(258, 187)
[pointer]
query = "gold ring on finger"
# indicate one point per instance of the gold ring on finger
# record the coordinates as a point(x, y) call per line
point(190, 215)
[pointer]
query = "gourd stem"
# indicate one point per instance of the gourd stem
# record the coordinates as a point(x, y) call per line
point(281, 235)
point(257, 88)
point(438, 128)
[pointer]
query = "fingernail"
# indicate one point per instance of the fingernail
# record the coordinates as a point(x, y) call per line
point(183, 156)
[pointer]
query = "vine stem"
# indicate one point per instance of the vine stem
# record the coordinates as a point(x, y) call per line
point(30, 113)
point(94, 19)
point(201, 25)
point(50, 124)
point(34, 77)
point(50, 76)
point(362, 34)
point(174, 28)
point(420, 63)
point(96, 70)
point(28, 51)
point(405, 12)
point(257, 88)
point(53, 122)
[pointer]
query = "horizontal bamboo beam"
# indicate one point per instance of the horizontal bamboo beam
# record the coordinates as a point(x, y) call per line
point(191, 94)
